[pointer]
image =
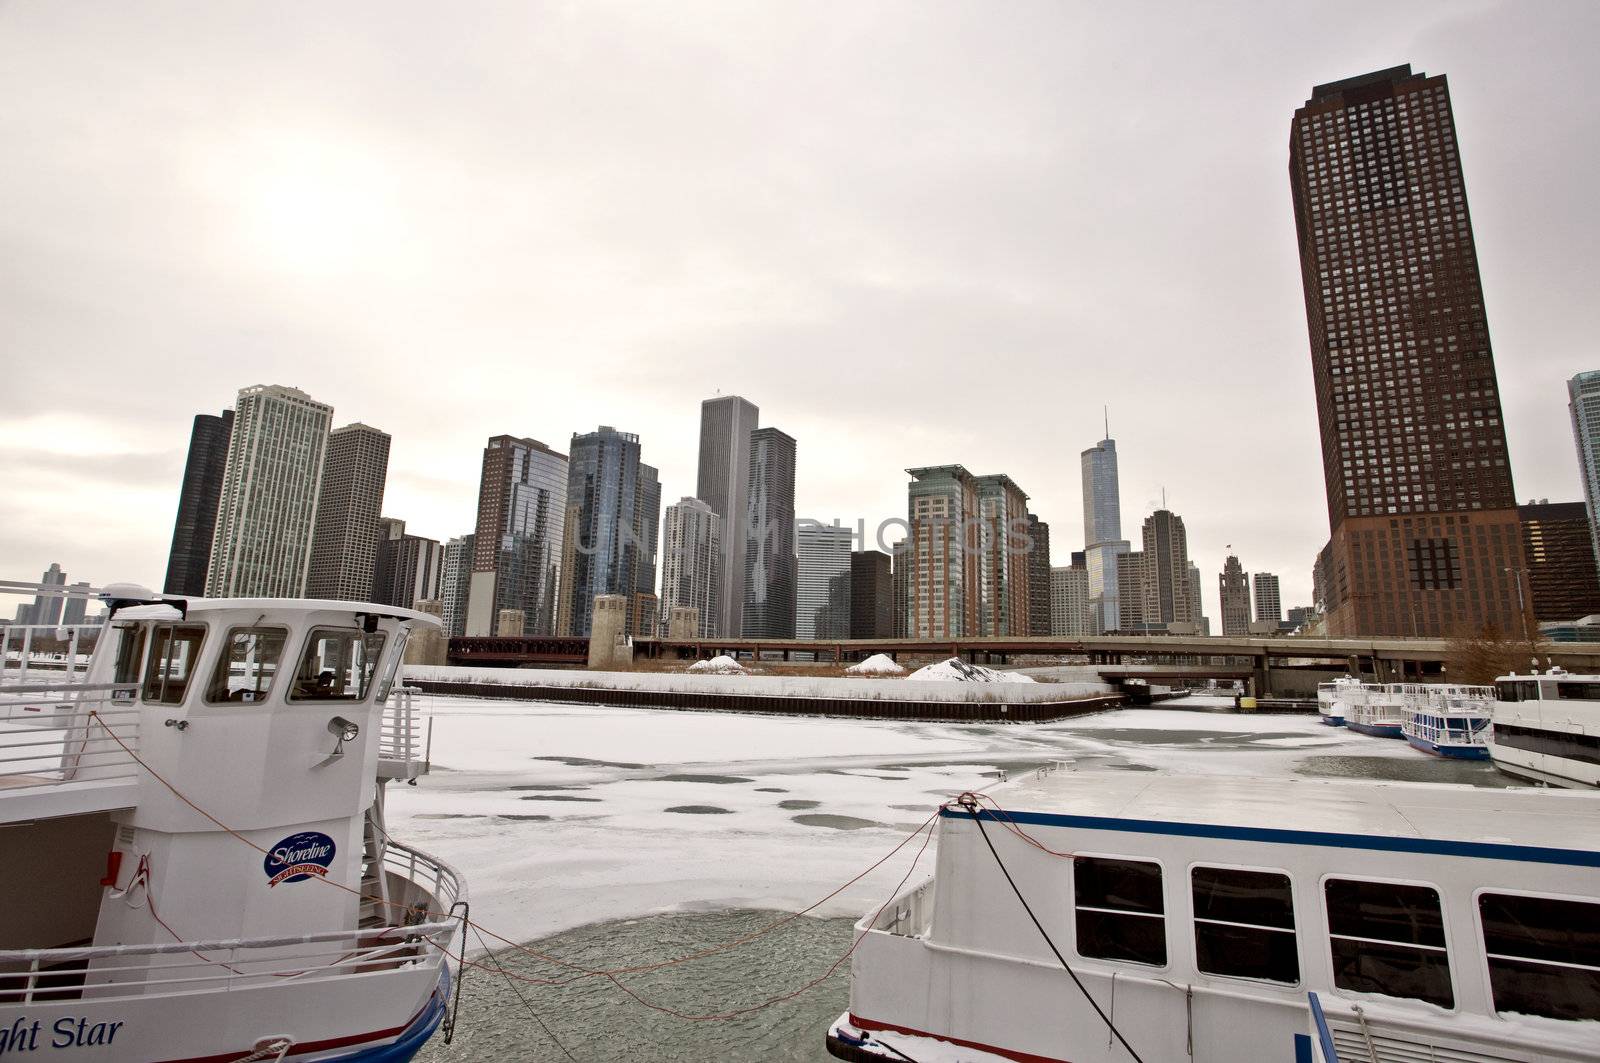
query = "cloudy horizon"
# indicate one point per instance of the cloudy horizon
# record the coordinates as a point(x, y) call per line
point(911, 233)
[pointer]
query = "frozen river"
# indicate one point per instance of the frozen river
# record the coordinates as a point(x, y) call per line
point(611, 837)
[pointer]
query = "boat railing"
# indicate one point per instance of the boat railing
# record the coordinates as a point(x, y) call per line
point(418, 929)
point(49, 734)
point(910, 914)
point(402, 746)
point(43, 653)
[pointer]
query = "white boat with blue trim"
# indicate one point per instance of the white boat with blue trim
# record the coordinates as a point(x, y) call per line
point(1547, 728)
point(1083, 917)
point(1335, 698)
point(197, 869)
point(1382, 709)
point(1451, 721)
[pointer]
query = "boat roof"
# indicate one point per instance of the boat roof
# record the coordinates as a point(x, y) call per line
point(166, 611)
point(1519, 816)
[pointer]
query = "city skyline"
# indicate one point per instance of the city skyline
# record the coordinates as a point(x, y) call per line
point(854, 447)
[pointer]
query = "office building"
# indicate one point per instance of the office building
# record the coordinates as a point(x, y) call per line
point(267, 508)
point(76, 605)
point(823, 596)
point(771, 568)
point(724, 484)
point(1040, 624)
point(1165, 577)
point(1003, 557)
point(1268, 600)
point(900, 555)
point(1424, 529)
point(691, 563)
point(1562, 584)
point(1197, 599)
point(1234, 590)
point(943, 590)
point(517, 546)
point(46, 608)
point(610, 545)
point(871, 595)
point(1583, 402)
point(1102, 532)
point(1069, 605)
point(344, 547)
point(455, 584)
point(1130, 593)
point(407, 567)
point(196, 522)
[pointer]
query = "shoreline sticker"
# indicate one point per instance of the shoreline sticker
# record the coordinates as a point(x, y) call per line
point(298, 857)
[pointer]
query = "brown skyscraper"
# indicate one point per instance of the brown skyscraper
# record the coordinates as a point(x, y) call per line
point(1424, 532)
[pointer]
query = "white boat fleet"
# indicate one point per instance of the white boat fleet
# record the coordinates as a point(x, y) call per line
point(196, 866)
point(1542, 727)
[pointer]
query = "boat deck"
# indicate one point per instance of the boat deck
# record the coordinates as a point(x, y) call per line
point(1524, 817)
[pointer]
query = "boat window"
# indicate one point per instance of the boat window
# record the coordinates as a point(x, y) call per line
point(1569, 745)
point(1578, 691)
point(248, 664)
point(130, 654)
point(399, 653)
point(1389, 938)
point(1517, 690)
point(1120, 915)
point(1244, 924)
point(1544, 955)
point(337, 665)
point(174, 651)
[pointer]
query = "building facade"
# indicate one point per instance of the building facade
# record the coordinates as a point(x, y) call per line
point(771, 567)
point(1562, 581)
point(1234, 590)
point(1130, 594)
point(344, 547)
point(824, 585)
point(455, 584)
point(1197, 599)
point(1165, 583)
point(871, 595)
point(1424, 528)
point(1102, 532)
point(517, 546)
point(943, 592)
point(1583, 402)
point(407, 568)
point(267, 507)
point(610, 545)
point(1004, 557)
point(1268, 599)
point(691, 564)
point(724, 484)
point(900, 579)
point(1069, 605)
point(1040, 624)
point(196, 523)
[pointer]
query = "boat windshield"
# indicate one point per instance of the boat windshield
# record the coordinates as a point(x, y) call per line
point(337, 665)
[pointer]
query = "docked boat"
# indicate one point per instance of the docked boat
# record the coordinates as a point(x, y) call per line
point(1335, 698)
point(1547, 728)
point(1114, 916)
point(196, 861)
point(1381, 710)
point(1451, 721)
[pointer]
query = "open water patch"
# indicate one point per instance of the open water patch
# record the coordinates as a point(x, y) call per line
point(1420, 768)
point(559, 797)
point(825, 819)
point(529, 817)
point(546, 786)
point(699, 810)
point(585, 762)
point(718, 780)
point(797, 805)
point(771, 790)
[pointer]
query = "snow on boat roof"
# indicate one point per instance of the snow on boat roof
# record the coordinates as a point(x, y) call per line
point(1561, 819)
point(165, 611)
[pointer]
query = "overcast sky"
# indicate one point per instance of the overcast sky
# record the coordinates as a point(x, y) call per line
point(912, 233)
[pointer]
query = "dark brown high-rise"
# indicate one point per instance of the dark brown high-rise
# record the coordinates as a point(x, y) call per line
point(1424, 532)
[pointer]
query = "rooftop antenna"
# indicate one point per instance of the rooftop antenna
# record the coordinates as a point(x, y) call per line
point(1108, 421)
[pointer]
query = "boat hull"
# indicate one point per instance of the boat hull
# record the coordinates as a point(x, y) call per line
point(1376, 730)
point(1332, 720)
point(1454, 752)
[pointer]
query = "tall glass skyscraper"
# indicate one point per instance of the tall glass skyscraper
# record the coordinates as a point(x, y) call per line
point(691, 564)
point(344, 550)
point(724, 484)
point(610, 495)
point(823, 599)
point(1583, 395)
point(196, 523)
point(267, 507)
point(517, 548)
point(455, 584)
point(770, 565)
point(1102, 533)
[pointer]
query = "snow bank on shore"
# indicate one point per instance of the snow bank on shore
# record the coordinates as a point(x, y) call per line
point(877, 664)
point(955, 670)
point(723, 665)
point(1012, 688)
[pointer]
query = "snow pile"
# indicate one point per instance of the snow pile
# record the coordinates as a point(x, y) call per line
point(955, 670)
point(723, 665)
point(877, 664)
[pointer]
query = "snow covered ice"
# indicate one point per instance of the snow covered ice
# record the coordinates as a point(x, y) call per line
point(562, 815)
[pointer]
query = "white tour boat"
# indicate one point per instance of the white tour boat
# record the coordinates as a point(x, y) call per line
point(1451, 721)
point(1335, 698)
point(1381, 710)
point(1175, 918)
point(196, 866)
point(1547, 728)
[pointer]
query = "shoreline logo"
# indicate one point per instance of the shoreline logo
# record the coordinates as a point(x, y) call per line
point(298, 857)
